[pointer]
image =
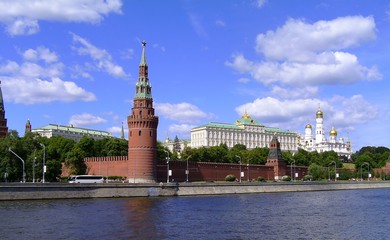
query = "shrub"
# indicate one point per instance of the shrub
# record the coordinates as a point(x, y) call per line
point(230, 178)
point(307, 178)
point(261, 179)
point(286, 178)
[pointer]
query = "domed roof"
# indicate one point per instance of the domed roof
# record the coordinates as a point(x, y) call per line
point(308, 125)
point(246, 119)
point(319, 113)
point(333, 132)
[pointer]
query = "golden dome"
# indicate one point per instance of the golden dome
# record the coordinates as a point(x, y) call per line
point(333, 132)
point(308, 125)
point(246, 116)
point(319, 113)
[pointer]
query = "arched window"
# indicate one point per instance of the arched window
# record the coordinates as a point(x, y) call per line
point(139, 133)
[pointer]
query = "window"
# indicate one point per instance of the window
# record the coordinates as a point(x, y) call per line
point(139, 133)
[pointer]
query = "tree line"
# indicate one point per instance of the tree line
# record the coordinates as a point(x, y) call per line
point(58, 151)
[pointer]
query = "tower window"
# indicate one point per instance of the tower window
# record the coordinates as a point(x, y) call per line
point(151, 133)
point(139, 133)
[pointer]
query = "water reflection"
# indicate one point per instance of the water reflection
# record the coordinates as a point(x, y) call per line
point(356, 214)
point(141, 218)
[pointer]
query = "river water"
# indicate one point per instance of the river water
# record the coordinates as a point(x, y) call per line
point(349, 214)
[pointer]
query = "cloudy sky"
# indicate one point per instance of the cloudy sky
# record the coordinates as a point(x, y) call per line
point(76, 62)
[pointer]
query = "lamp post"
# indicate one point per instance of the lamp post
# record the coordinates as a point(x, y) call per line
point(167, 158)
point(24, 173)
point(240, 165)
point(292, 173)
point(361, 170)
point(43, 164)
point(335, 174)
point(187, 170)
point(35, 158)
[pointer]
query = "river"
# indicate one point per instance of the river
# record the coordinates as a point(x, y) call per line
point(347, 214)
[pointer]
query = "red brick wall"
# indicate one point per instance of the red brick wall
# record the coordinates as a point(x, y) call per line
point(118, 166)
point(111, 166)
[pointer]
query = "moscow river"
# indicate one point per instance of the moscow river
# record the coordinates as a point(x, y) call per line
point(347, 214)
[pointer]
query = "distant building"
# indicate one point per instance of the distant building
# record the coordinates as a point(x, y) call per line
point(27, 128)
point(3, 120)
point(319, 143)
point(245, 131)
point(70, 132)
point(176, 145)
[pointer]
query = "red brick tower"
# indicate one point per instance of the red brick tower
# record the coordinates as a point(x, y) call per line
point(275, 159)
point(142, 130)
point(3, 120)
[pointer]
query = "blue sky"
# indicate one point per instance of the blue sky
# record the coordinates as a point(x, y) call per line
point(76, 62)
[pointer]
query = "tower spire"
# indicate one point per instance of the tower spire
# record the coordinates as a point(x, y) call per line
point(3, 120)
point(142, 123)
point(143, 56)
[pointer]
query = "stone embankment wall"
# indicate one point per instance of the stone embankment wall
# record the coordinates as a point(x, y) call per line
point(30, 191)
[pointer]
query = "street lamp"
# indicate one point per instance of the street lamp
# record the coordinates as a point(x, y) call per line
point(335, 174)
point(187, 171)
point(361, 171)
point(24, 172)
point(35, 158)
point(240, 165)
point(43, 165)
point(167, 165)
point(292, 173)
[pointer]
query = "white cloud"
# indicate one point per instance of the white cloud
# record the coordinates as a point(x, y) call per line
point(128, 53)
point(341, 112)
point(33, 91)
point(181, 129)
point(181, 112)
point(220, 23)
point(197, 25)
point(85, 119)
point(354, 110)
point(272, 110)
point(22, 17)
point(303, 92)
point(102, 59)
point(260, 3)
point(32, 81)
point(305, 54)
point(301, 41)
point(41, 53)
point(244, 80)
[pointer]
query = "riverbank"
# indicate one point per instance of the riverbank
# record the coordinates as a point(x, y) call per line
point(31, 191)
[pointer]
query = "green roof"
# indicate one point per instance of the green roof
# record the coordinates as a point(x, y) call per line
point(74, 130)
point(271, 129)
point(219, 125)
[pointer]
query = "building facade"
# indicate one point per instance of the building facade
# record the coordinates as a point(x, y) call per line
point(3, 120)
point(246, 131)
point(70, 132)
point(142, 123)
point(177, 145)
point(318, 141)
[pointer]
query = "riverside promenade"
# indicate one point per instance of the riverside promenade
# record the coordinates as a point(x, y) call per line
point(31, 191)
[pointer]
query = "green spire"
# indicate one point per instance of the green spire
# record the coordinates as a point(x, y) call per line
point(123, 132)
point(143, 57)
point(1, 100)
point(143, 87)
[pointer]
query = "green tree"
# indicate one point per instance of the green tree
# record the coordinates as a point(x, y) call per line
point(316, 171)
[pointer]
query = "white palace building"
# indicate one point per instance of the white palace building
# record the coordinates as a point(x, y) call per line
point(246, 131)
point(250, 133)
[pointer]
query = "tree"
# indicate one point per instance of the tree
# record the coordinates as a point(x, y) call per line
point(316, 171)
